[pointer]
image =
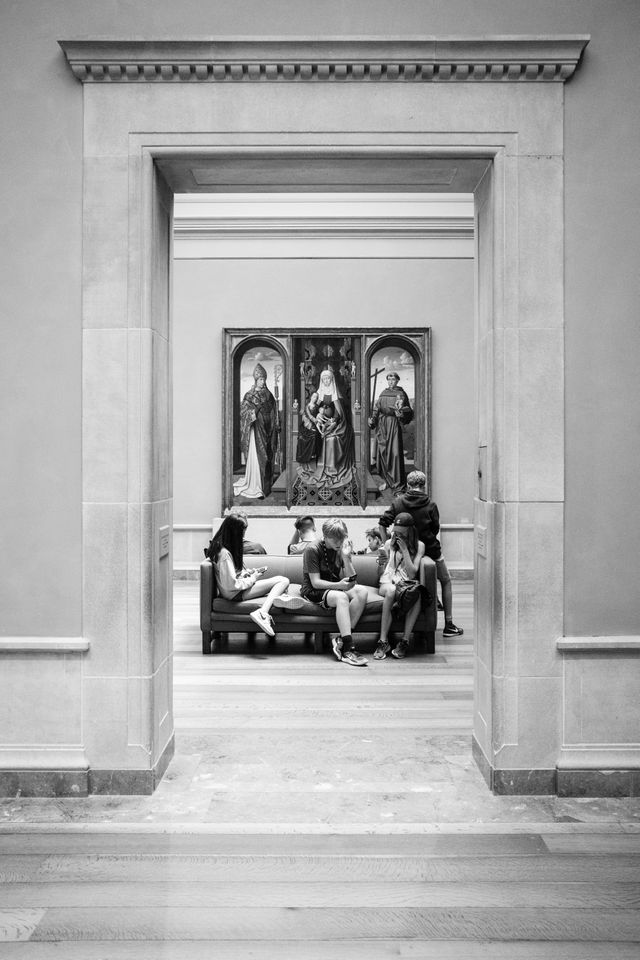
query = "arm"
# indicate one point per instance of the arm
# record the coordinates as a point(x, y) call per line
point(435, 514)
point(348, 568)
point(388, 516)
point(412, 566)
point(319, 584)
point(294, 540)
point(228, 580)
point(311, 564)
point(375, 415)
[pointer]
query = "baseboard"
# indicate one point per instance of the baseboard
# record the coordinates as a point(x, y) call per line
point(460, 573)
point(561, 781)
point(131, 782)
point(186, 573)
point(83, 782)
point(535, 782)
point(598, 783)
point(44, 783)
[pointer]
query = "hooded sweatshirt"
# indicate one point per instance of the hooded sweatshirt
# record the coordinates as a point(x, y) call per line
point(425, 516)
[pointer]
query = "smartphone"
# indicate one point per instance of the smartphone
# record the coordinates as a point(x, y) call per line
point(352, 577)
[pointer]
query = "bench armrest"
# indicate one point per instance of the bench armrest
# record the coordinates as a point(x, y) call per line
point(207, 587)
point(428, 576)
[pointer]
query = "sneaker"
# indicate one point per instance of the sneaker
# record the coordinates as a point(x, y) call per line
point(336, 646)
point(382, 650)
point(400, 650)
point(439, 605)
point(288, 601)
point(354, 658)
point(264, 622)
point(450, 630)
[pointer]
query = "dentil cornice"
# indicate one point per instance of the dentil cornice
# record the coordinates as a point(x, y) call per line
point(340, 59)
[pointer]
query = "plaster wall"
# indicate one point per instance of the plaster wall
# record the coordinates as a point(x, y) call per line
point(40, 200)
point(212, 294)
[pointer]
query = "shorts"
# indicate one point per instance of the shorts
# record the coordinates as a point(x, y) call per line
point(317, 596)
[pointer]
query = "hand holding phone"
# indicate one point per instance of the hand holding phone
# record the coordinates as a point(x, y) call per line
point(352, 577)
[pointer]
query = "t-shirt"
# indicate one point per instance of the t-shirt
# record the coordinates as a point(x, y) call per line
point(302, 544)
point(318, 558)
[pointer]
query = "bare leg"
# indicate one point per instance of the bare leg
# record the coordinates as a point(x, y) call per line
point(410, 619)
point(447, 594)
point(357, 602)
point(388, 592)
point(270, 588)
point(339, 600)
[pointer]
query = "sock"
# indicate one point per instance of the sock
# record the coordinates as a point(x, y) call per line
point(347, 642)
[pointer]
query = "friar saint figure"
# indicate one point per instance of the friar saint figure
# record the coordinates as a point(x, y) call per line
point(258, 438)
point(391, 411)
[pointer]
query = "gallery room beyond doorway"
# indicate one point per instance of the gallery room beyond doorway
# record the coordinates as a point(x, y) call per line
point(372, 267)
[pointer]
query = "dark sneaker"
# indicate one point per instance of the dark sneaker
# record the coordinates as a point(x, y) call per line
point(400, 650)
point(450, 630)
point(382, 650)
point(264, 622)
point(336, 646)
point(288, 602)
point(354, 658)
point(439, 604)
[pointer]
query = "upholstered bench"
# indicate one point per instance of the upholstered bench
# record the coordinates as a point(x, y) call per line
point(218, 616)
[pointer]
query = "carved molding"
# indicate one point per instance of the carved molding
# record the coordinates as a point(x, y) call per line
point(366, 59)
point(311, 228)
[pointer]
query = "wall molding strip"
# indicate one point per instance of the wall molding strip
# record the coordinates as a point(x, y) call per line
point(43, 645)
point(359, 59)
point(598, 644)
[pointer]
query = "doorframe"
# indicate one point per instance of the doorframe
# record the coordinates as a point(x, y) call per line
point(519, 363)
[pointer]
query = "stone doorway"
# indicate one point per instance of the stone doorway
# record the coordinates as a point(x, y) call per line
point(305, 115)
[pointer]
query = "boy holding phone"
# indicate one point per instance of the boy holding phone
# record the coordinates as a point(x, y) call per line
point(329, 579)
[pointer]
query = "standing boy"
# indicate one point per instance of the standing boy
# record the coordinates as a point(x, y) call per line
point(427, 520)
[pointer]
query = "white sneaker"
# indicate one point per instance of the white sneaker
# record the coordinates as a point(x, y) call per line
point(288, 601)
point(264, 621)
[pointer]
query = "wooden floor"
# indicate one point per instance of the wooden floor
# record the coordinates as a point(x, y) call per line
point(320, 812)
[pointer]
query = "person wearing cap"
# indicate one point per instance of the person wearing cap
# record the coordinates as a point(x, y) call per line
point(405, 554)
point(427, 520)
point(391, 411)
point(258, 438)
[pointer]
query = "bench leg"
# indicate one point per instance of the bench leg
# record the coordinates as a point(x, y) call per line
point(430, 641)
point(219, 641)
point(318, 644)
point(207, 637)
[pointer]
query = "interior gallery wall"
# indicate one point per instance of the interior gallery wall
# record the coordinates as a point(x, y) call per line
point(258, 294)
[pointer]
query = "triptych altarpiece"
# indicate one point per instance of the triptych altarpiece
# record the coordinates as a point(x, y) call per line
point(324, 417)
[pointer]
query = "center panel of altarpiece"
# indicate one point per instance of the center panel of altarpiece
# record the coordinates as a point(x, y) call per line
point(327, 417)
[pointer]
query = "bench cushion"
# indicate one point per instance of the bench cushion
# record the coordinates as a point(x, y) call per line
point(239, 607)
